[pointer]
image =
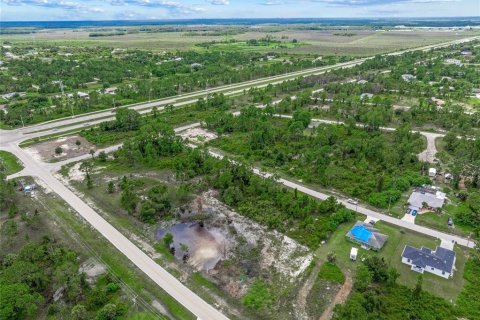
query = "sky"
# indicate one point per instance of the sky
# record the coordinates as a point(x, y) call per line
point(65, 10)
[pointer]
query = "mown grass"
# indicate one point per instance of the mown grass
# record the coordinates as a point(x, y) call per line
point(331, 272)
point(392, 251)
point(10, 162)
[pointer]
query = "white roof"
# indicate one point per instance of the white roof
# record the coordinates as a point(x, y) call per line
point(354, 251)
point(432, 170)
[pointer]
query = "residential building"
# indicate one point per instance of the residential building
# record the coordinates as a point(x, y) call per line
point(366, 96)
point(111, 90)
point(367, 236)
point(440, 262)
point(408, 77)
point(426, 198)
point(83, 95)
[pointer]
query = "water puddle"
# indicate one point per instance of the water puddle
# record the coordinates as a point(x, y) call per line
point(204, 246)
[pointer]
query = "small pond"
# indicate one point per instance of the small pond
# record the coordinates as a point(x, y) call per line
point(204, 245)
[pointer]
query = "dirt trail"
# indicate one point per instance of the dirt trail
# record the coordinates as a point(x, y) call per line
point(305, 290)
point(340, 298)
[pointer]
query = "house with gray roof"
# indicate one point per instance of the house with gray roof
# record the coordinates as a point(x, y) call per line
point(367, 236)
point(431, 196)
point(440, 262)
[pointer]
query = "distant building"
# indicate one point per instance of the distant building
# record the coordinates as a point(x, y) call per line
point(111, 90)
point(431, 196)
point(367, 236)
point(440, 262)
point(437, 102)
point(366, 96)
point(453, 61)
point(83, 95)
point(408, 77)
point(432, 172)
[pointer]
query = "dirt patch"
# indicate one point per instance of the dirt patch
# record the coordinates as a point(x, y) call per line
point(198, 135)
point(92, 269)
point(340, 298)
point(45, 151)
point(276, 251)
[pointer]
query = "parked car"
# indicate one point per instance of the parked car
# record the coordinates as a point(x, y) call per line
point(414, 212)
point(372, 222)
point(450, 221)
point(352, 201)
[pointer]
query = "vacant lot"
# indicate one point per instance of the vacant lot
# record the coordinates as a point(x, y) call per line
point(318, 42)
point(61, 148)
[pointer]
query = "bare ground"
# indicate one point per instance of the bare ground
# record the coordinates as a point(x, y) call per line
point(340, 298)
point(301, 312)
point(45, 151)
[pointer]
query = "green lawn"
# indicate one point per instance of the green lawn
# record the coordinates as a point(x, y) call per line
point(392, 251)
point(439, 221)
point(11, 163)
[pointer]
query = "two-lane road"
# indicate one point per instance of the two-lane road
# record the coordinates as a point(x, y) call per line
point(10, 140)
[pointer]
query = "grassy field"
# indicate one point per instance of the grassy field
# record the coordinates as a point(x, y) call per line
point(438, 221)
point(11, 163)
point(318, 42)
point(392, 251)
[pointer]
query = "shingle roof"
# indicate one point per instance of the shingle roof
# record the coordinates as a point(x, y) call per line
point(433, 198)
point(441, 258)
point(365, 233)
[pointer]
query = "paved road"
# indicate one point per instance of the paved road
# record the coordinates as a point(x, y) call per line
point(55, 126)
point(10, 140)
point(358, 208)
point(165, 280)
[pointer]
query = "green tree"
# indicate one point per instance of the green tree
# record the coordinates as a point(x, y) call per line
point(79, 312)
point(129, 200)
point(111, 187)
point(168, 239)
point(363, 278)
point(108, 312)
point(17, 301)
point(102, 156)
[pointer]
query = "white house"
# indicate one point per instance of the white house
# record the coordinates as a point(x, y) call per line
point(440, 262)
point(83, 95)
point(432, 172)
point(111, 90)
point(408, 77)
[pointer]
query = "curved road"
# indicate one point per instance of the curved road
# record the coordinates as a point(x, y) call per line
point(10, 140)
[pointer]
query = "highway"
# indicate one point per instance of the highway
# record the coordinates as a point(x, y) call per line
point(89, 119)
point(10, 140)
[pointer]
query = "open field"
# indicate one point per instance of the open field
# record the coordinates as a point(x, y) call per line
point(10, 162)
point(318, 42)
point(392, 251)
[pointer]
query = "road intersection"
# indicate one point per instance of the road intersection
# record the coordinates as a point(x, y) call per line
point(11, 139)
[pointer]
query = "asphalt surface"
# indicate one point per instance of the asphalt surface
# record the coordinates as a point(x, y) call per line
point(361, 209)
point(10, 140)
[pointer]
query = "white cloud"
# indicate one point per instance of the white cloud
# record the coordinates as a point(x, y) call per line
point(219, 2)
